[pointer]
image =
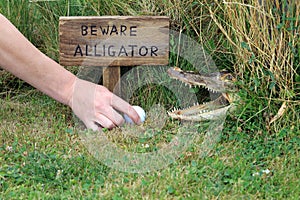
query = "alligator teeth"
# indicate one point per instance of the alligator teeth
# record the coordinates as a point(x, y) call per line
point(211, 90)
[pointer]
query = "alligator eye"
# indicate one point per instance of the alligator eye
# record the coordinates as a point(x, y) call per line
point(229, 77)
point(177, 69)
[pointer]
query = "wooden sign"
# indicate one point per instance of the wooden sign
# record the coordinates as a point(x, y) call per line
point(114, 40)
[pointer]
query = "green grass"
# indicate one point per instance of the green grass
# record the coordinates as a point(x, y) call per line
point(43, 156)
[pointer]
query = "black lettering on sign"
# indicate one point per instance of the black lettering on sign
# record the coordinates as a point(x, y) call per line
point(108, 30)
point(122, 51)
point(104, 31)
point(87, 50)
point(84, 31)
point(93, 30)
point(132, 49)
point(78, 50)
point(133, 30)
point(95, 49)
point(123, 29)
point(99, 50)
point(114, 30)
point(143, 51)
point(154, 49)
point(110, 52)
point(104, 50)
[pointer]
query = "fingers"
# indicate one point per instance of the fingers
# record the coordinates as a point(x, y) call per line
point(124, 107)
point(103, 121)
point(111, 120)
point(116, 103)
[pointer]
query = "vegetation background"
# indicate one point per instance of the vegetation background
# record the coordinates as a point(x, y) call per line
point(258, 154)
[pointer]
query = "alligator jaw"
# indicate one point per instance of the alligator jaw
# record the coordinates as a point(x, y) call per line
point(200, 116)
point(212, 110)
point(215, 82)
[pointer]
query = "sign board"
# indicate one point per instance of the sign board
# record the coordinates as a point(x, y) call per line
point(114, 40)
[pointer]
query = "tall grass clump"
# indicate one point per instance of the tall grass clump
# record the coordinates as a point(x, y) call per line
point(22, 14)
point(263, 37)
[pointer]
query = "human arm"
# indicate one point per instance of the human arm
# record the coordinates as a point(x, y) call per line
point(92, 103)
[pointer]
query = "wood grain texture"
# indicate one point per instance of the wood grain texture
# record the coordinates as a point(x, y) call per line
point(111, 77)
point(114, 40)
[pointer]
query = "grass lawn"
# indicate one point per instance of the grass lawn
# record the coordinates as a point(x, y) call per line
point(43, 157)
point(42, 153)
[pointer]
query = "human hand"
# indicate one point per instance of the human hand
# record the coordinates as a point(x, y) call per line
point(97, 107)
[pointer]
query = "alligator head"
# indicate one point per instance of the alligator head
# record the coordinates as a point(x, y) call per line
point(219, 82)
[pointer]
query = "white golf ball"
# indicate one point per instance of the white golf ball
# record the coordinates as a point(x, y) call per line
point(140, 111)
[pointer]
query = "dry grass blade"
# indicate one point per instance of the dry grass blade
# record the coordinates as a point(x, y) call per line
point(264, 37)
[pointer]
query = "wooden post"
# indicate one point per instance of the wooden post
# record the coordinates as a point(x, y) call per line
point(113, 42)
point(111, 77)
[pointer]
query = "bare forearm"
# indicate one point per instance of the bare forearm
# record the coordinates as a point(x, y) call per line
point(25, 61)
point(95, 105)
